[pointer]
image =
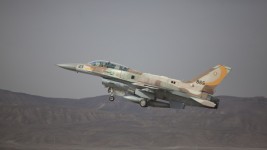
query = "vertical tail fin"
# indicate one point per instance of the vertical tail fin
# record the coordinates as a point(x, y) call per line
point(208, 81)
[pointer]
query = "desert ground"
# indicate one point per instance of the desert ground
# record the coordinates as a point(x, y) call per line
point(33, 122)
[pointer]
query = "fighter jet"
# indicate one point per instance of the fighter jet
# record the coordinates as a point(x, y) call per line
point(153, 90)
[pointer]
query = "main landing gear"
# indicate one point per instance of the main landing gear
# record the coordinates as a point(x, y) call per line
point(143, 103)
point(111, 97)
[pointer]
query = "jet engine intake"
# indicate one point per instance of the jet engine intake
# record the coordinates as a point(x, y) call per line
point(117, 86)
point(114, 84)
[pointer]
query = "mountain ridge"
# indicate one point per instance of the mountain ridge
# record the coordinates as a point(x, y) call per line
point(10, 91)
point(29, 121)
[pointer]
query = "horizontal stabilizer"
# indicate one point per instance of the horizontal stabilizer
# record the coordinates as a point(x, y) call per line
point(204, 102)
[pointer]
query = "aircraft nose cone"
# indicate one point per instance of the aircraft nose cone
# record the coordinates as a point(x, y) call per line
point(68, 66)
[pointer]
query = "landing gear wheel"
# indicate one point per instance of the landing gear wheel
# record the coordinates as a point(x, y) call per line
point(143, 103)
point(111, 98)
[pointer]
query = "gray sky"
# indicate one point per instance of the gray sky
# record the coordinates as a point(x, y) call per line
point(178, 39)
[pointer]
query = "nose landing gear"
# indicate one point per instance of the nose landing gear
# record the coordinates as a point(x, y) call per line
point(111, 92)
point(111, 98)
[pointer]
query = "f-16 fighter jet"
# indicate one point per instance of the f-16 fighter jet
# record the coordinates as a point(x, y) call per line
point(154, 90)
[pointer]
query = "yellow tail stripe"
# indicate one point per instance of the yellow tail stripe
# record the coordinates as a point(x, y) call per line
point(219, 80)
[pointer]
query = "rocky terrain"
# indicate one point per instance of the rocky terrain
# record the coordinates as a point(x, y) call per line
point(32, 122)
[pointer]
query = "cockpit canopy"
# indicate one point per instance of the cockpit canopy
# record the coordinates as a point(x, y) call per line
point(107, 64)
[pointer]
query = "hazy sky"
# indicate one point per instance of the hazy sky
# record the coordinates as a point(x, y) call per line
point(178, 39)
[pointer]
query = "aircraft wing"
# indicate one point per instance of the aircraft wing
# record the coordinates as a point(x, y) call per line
point(204, 102)
point(152, 89)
